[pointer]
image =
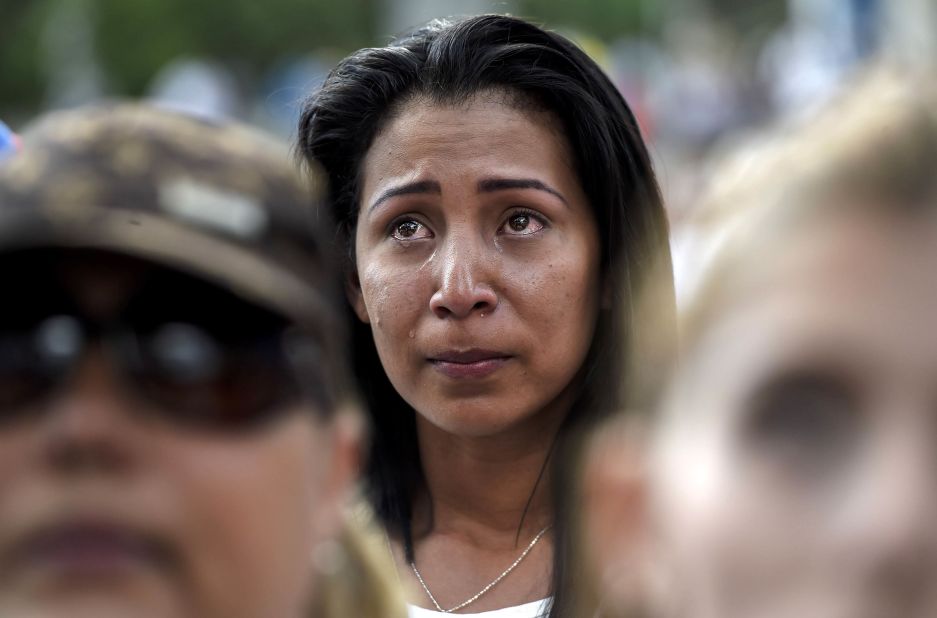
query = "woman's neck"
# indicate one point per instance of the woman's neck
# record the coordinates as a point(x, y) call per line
point(488, 489)
point(485, 502)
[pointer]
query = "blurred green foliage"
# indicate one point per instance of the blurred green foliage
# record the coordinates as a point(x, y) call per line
point(21, 81)
point(606, 19)
point(134, 38)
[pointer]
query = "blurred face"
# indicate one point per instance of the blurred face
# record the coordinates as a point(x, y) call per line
point(795, 466)
point(477, 263)
point(113, 504)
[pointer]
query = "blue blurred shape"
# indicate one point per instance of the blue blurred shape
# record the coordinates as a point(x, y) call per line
point(8, 141)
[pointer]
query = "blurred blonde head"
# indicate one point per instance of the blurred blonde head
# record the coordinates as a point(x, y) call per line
point(788, 471)
point(877, 142)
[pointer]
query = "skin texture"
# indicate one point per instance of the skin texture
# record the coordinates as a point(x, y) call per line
point(237, 518)
point(451, 259)
point(793, 471)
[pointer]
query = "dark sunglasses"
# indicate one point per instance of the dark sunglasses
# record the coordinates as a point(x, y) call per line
point(203, 356)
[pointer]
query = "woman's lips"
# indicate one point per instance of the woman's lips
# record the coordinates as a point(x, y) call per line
point(89, 550)
point(468, 364)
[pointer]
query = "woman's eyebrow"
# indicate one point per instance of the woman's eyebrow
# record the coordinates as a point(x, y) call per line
point(420, 186)
point(503, 184)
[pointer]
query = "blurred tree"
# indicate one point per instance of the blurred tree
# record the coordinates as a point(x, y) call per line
point(21, 79)
point(607, 19)
point(134, 38)
point(756, 20)
point(613, 19)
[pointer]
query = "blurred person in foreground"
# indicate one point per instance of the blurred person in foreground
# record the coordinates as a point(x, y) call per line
point(176, 438)
point(790, 470)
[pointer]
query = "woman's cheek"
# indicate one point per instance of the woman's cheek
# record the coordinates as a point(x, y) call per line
point(575, 294)
point(393, 295)
point(253, 510)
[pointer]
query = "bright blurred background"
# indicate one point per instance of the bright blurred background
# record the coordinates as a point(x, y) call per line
point(699, 73)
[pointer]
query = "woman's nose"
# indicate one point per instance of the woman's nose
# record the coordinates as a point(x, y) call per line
point(88, 425)
point(464, 282)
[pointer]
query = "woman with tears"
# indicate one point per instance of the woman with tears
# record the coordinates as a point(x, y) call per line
point(498, 211)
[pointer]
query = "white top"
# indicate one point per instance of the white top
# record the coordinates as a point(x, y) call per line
point(534, 609)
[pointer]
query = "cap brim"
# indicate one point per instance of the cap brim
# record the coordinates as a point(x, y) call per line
point(160, 241)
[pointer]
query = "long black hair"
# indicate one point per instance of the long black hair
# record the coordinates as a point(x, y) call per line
point(449, 62)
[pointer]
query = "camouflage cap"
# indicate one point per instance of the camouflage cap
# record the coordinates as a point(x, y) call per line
point(218, 200)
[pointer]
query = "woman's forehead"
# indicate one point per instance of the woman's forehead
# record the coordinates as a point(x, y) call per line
point(857, 289)
point(838, 243)
point(426, 116)
point(445, 144)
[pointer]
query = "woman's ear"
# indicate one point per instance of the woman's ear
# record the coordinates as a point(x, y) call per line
point(346, 435)
point(354, 295)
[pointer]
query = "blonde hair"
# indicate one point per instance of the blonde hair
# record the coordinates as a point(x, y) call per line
point(875, 147)
point(361, 580)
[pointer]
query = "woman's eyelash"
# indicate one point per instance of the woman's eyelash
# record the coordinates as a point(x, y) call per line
point(530, 213)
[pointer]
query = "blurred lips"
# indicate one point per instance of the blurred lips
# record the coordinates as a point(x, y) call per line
point(87, 548)
point(468, 364)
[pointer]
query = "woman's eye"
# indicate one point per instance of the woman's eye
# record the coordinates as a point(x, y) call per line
point(805, 420)
point(409, 230)
point(521, 224)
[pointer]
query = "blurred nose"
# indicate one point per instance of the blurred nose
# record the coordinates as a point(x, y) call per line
point(464, 287)
point(89, 426)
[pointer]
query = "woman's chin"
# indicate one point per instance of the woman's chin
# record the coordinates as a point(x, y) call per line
point(476, 418)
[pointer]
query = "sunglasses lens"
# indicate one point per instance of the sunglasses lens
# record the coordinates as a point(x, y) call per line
point(38, 342)
point(33, 358)
point(202, 355)
point(207, 357)
point(22, 379)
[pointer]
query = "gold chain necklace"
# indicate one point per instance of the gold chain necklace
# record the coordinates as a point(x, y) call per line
point(486, 588)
